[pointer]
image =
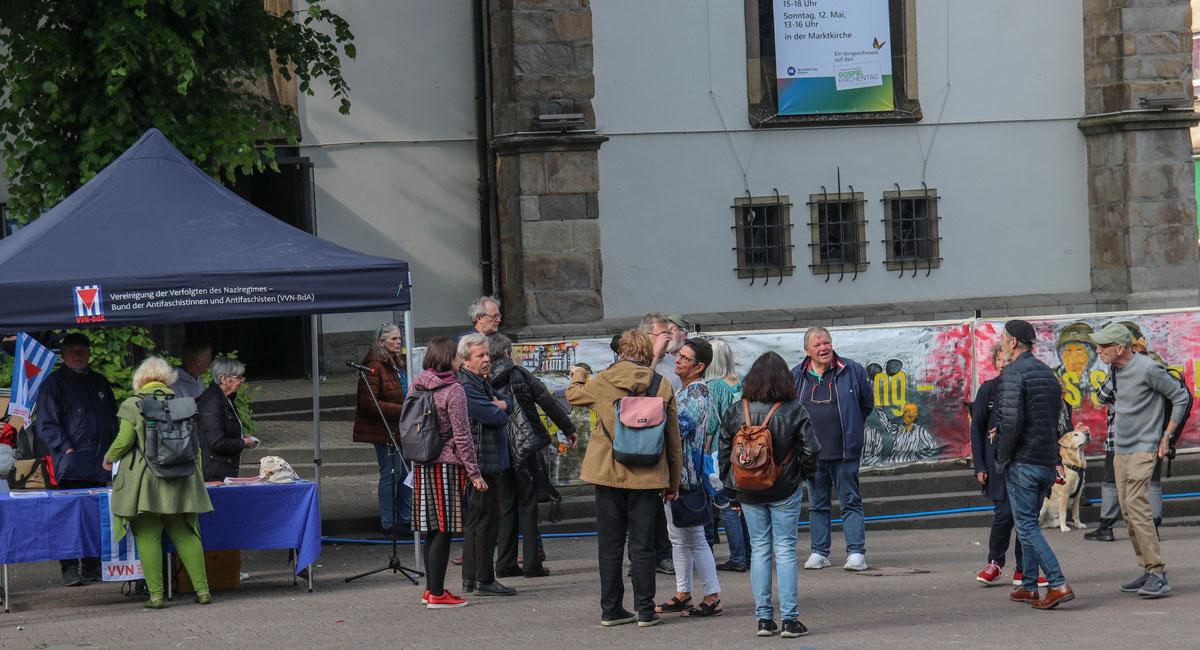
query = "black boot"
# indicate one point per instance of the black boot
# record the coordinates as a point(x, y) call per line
point(1103, 532)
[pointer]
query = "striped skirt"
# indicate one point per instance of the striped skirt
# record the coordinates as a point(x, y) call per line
point(437, 497)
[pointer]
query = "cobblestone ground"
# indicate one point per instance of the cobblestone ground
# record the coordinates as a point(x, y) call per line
point(921, 594)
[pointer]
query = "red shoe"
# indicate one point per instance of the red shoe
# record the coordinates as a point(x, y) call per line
point(990, 574)
point(457, 561)
point(445, 601)
point(425, 597)
point(1017, 575)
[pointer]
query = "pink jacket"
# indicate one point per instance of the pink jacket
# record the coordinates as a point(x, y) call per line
point(451, 401)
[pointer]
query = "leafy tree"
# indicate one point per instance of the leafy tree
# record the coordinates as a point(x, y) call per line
point(83, 80)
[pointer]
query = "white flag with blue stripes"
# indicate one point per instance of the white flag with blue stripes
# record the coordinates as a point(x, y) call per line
point(119, 560)
point(34, 362)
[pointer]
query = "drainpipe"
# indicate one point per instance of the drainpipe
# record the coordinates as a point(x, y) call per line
point(489, 225)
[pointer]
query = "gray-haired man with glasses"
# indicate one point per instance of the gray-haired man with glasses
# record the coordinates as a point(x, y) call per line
point(838, 396)
point(484, 314)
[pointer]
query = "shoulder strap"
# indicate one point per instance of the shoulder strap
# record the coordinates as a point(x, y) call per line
point(655, 382)
point(772, 412)
point(746, 411)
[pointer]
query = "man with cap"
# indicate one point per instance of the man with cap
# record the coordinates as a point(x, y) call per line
point(1028, 402)
point(77, 419)
point(1110, 511)
point(1142, 389)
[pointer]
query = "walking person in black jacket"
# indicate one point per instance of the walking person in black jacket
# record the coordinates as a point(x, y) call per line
point(983, 457)
point(1028, 404)
point(219, 426)
point(518, 488)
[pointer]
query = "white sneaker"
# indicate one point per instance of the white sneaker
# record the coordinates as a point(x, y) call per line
point(817, 561)
point(856, 562)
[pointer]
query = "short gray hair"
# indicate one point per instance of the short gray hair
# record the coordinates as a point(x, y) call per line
point(499, 347)
point(469, 341)
point(813, 331)
point(226, 367)
point(479, 307)
point(650, 320)
point(722, 361)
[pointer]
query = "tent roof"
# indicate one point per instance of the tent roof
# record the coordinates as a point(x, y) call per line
point(153, 239)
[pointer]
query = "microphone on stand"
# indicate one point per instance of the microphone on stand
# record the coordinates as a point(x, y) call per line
point(359, 367)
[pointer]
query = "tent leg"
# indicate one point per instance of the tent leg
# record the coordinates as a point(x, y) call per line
point(409, 341)
point(314, 323)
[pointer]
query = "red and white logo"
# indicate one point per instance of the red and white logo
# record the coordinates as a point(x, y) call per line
point(89, 304)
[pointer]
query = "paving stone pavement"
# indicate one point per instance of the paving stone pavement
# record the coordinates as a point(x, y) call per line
point(922, 594)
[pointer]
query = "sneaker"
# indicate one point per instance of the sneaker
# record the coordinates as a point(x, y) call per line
point(1018, 579)
point(731, 566)
point(855, 562)
point(817, 561)
point(767, 627)
point(1134, 585)
point(990, 574)
point(793, 629)
point(649, 621)
point(446, 601)
point(468, 586)
point(623, 617)
point(1156, 586)
point(665, 566)
point(72, 576)
point(493, 588)
point(425, 597)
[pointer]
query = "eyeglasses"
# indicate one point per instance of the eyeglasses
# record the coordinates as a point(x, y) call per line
point(812, 396)
point(495, 316)
point(687, 359)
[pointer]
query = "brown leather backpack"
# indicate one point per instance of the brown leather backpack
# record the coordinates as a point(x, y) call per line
point(753, 455)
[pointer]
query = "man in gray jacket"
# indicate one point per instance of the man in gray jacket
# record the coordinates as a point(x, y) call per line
point(1141, 439)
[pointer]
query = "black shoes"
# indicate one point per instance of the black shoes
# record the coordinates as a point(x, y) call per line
point(468, 586)
point(731, 566)
point(793, 629)
point(622, 617)
point(767, 627)
point(72, 576)
point(649, 620)
point(1103, 532)
point(493, 588)
point(513, 572)
point(665, 566)
point(537, 572)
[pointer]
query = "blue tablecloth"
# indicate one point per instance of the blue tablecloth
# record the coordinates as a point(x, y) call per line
point(259, 516)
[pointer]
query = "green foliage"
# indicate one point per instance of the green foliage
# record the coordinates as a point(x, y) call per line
point(6, 371)
point(114, 353)
point(83, 80)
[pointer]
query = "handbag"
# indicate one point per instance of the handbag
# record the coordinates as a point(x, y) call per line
point(690, 508)
point(31, 474)
point(522, 442)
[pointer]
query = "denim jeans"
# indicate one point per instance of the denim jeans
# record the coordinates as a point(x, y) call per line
point(843, 475)
point(735, 533)
point(1028, 486)
point(773, 541)
point(400, 494)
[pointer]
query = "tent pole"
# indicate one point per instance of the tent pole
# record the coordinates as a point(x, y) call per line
point(409, 341)
point(314, 321)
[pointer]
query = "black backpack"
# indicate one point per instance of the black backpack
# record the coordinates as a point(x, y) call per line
point(171, 446)
point(1187, 411)
point(420, 439)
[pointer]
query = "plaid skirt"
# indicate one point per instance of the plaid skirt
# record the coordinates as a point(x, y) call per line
point(437, 497)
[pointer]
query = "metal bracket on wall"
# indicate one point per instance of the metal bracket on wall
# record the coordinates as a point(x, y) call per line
point(917, 257)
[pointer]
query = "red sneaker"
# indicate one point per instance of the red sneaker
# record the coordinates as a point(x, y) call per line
point(425, 597)
point(445, 601)
point(990, 574)
point(457, 561)
point(1017, 575)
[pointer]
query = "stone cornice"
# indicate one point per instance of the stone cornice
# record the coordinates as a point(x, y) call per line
point(536, 142)
point(1139, 120)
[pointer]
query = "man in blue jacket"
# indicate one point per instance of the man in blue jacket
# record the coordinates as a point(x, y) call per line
point(488, 411)
point(838, 396)
point(77, 419)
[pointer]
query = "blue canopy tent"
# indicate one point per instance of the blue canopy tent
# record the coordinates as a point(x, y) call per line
point(153, 239)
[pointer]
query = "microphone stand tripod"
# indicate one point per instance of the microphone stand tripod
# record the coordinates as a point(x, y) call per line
point(394, 562)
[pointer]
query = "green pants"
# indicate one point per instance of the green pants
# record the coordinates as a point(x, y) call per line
point(147, 532)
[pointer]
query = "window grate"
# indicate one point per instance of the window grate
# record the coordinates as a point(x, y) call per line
point(911, 238)
point(763, 234)
point(838, 225)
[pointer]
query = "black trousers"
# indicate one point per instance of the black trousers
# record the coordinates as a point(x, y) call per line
point(518, 511)
point(90, 565)
point(622, 514)
point(662, 543)
point(437, 556)
point(480, 526)
point(1002, 532)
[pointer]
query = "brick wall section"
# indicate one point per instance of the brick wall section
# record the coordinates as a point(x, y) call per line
point(547, 183)
point(1141, 185)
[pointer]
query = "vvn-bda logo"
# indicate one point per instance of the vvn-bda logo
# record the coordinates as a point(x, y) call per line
point(89, 304)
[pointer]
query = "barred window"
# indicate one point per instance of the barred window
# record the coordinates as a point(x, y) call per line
point(762, 228)
point(910, 222)
point(839, 240)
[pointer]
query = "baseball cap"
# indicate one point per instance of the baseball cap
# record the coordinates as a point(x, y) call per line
point(680, 322)
point(75, 339)
point(1113, 334)
point(1021, 330)
point(1133, 328)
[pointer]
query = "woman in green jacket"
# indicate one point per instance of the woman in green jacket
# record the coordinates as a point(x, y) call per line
point(151, 504)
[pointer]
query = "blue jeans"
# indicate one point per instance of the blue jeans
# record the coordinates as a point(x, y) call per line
point(773, 540)
point(399, 494)
point(844, 475)
point(1028, 486)
point(735, 534)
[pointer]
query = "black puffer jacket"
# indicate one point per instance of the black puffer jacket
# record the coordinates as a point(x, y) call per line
point(790, 426)
point(488, 423)
point(530, 393)
point(1028, 402)
point(220, 433)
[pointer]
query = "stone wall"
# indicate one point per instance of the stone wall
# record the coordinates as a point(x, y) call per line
point(1141, 184)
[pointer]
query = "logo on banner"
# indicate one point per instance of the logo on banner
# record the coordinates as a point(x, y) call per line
point(119, 560)
point(34, 362)
point(89, 304)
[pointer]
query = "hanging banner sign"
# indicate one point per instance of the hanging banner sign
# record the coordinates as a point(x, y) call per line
point(833, 56)
point(119, 559)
